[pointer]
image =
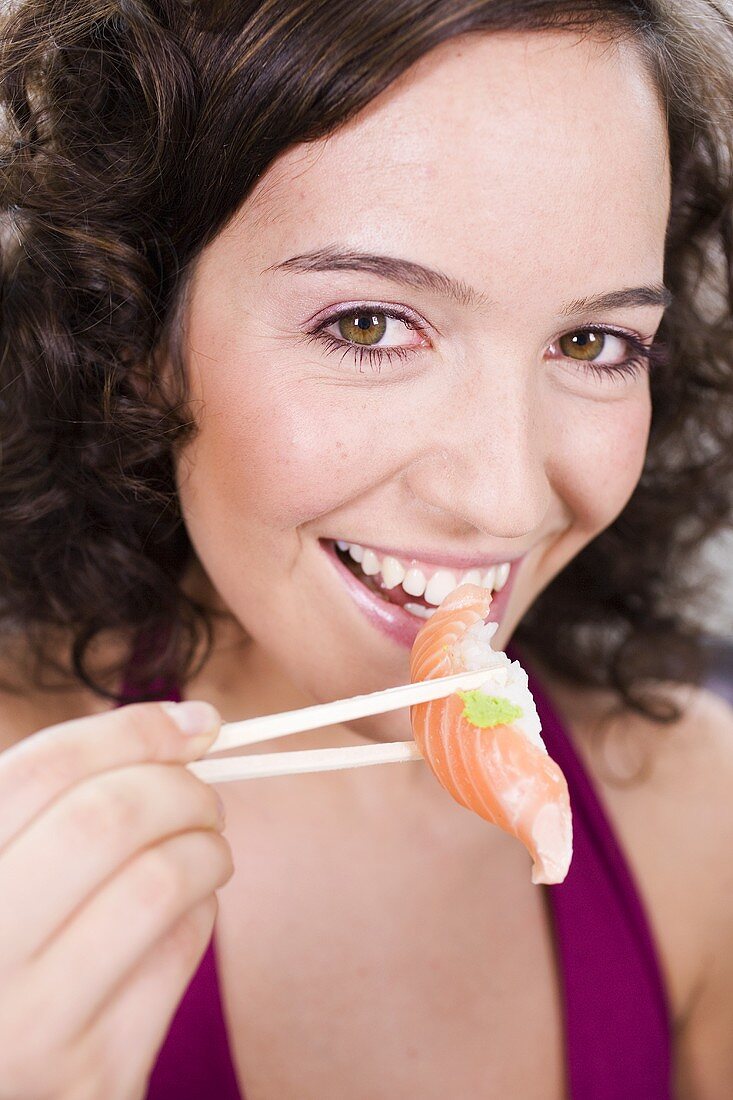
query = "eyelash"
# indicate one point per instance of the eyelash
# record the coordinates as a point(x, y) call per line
point(643, 356)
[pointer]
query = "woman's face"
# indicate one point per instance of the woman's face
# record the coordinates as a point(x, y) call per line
point(494, 413)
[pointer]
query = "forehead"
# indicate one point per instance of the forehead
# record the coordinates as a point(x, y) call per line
point(518, 151)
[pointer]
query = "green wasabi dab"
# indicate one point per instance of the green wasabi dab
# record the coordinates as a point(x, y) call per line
point(488, 710)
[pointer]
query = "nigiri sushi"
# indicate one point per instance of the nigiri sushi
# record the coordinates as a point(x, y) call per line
point(485, 746)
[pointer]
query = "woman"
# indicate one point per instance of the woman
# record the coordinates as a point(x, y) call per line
point(290, 290)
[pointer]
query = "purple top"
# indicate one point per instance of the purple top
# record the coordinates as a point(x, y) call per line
point(617, 1015)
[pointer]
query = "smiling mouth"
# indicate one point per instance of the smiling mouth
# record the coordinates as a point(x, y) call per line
point(417, 590)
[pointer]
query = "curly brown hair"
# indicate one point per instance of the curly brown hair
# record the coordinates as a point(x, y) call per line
point(132, 132)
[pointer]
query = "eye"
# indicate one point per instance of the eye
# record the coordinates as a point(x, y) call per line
point(370, 333)
point(362, 328)
point(602, 352)
point(592, 345)
point(367, 327)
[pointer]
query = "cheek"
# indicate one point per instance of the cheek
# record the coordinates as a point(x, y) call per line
point(600, 457)
point(286, 448)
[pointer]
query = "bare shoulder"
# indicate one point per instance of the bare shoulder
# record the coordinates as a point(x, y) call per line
point(668, 790)
point(672, 783)
point(704, 1046)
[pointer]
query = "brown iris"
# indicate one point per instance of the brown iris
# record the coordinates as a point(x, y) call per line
point(359, 328)
point(582, 345)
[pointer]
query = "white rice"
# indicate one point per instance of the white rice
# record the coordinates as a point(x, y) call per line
point(505, 679)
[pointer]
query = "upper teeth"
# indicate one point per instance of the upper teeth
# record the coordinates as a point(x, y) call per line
point(433, 589)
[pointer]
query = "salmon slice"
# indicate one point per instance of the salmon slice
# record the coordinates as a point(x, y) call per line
point(485, 746)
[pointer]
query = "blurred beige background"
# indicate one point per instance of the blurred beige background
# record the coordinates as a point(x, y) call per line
point(719, 556)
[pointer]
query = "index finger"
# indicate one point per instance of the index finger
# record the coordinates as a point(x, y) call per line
point(38, 769)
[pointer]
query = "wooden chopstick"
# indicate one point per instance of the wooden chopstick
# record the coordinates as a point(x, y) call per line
point(263, 765)
point(269, 726)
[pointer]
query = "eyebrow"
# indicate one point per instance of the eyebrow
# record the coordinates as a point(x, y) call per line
point(427, 278)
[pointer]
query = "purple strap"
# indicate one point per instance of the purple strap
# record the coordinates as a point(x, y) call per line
point(195, 1060)
point(618, 1022)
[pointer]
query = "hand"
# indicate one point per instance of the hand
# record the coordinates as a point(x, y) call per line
point(110, 856)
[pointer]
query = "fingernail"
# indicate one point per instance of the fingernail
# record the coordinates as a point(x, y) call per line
point(193, 716)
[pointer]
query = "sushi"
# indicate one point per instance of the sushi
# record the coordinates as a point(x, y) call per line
point(485, 746)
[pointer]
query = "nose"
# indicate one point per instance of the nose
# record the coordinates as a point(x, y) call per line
point(484, 453)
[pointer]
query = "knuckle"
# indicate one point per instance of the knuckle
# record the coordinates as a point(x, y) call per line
point(145, 725)
point(224, 859)
point(198, 795)
point(192, 931)
point(208, 848)
point(206, 798)
point(45, 764)
point(102, 810)
point(160, 879)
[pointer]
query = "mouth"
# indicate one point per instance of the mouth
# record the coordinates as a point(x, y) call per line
point(398, 593)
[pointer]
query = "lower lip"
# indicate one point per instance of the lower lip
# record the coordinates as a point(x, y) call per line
point(394, 621)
